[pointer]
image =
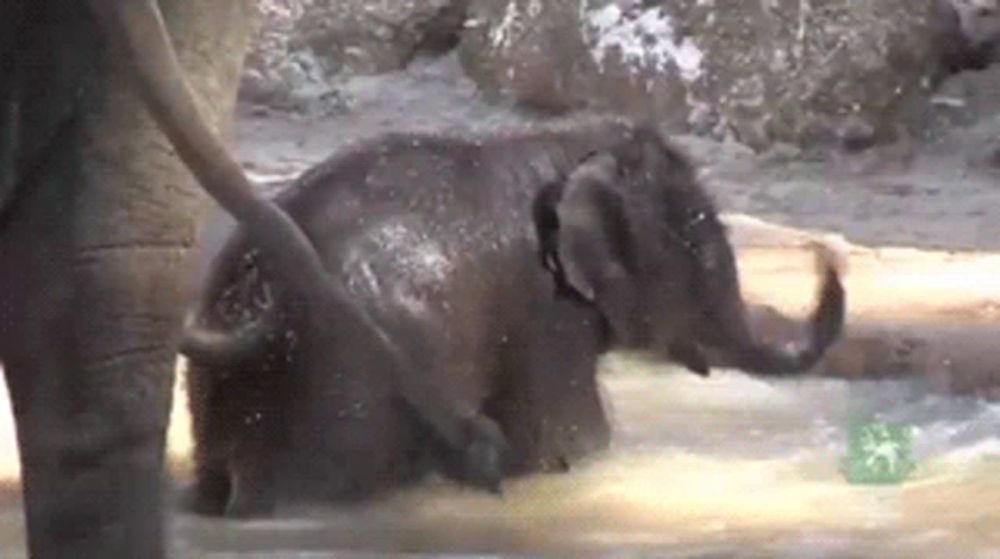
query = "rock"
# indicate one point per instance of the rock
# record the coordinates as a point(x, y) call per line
point(979, 20)
point(863, 352)
point(760, 72)
point(984, 155)
point(279, 75)
point(872, 353)
point(374, 36)
point(855, 134)
point(966, 98)
point(955, 358)
point(970, 34)
point(303, 45)
point(564, 54)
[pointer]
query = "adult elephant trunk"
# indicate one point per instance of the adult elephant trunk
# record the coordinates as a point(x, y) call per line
point(728, 331)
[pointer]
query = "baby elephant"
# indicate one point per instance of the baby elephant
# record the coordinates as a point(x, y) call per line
point(502, 267)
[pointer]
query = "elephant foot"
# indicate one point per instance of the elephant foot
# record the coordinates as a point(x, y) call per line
point(691, 357)
point(249, 500)
point(559, 464)
point(483, 456)
point(203, 505)
point(208, 495)
point(244, 505)
point(482, 467)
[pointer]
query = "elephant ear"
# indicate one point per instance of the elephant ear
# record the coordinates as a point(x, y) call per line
point(586, 240)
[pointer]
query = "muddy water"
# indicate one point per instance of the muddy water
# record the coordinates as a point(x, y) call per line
point(700, 467)
point(725, 466)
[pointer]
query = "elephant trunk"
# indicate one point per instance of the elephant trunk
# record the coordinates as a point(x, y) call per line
point(735, 338)
point(214, 347)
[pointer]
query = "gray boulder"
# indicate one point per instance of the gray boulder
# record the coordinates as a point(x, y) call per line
point(304, 45)
point(374, 36)
point(791, 71)
point(564, 54)
point(970, 31)
point(278, 72)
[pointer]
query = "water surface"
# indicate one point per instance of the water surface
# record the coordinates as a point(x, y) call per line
point(719, 467)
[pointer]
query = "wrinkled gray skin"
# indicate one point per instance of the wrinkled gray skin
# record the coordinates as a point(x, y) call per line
point(505, 265)
point(96, 215)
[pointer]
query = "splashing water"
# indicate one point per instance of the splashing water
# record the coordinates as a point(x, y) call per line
point(728, 464)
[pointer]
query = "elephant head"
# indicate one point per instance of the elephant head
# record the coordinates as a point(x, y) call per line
point(632, 232)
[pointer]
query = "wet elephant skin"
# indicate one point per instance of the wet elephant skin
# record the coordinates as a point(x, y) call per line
point(503, 265)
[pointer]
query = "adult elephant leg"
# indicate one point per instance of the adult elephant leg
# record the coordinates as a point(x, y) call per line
point(93, 250)
point(82, 500)
point(89, 367)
